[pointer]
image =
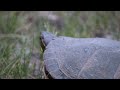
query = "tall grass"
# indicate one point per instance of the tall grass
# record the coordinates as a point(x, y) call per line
point(19, 39)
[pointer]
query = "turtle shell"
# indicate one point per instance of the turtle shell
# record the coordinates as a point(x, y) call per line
point(82, 58)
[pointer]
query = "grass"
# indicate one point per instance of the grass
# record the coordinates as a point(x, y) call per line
point(20, 52)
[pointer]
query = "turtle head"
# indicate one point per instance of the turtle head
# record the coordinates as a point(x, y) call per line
point(45, 38)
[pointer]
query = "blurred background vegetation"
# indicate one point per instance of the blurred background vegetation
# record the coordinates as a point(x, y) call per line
point(20, 52)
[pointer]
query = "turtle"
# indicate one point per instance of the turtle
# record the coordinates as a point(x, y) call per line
point(68, 57)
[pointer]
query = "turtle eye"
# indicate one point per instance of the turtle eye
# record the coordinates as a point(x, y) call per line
point(41, 37)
